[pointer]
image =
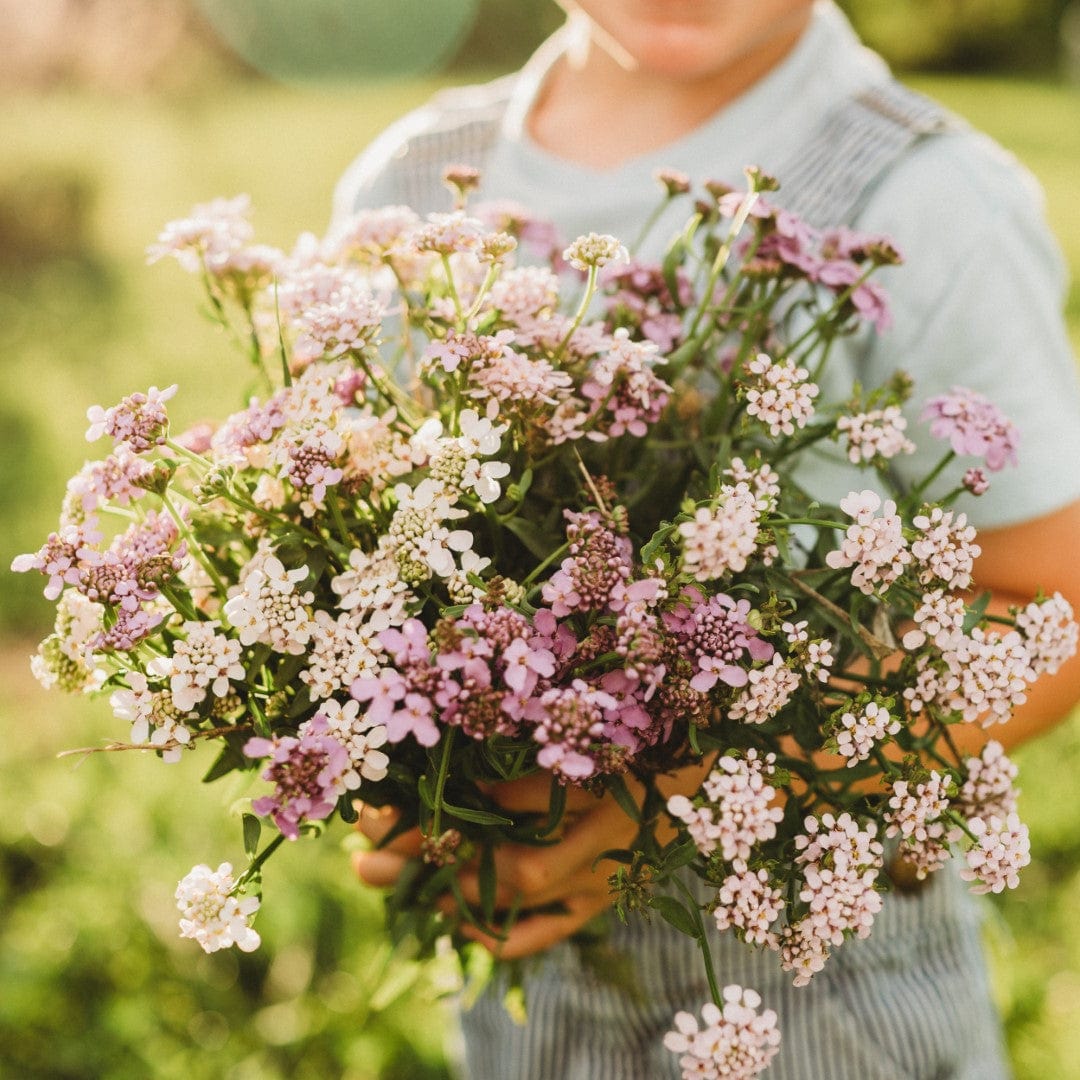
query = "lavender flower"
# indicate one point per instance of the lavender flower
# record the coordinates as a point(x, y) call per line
point(310, 774)
point(974, 426)
point(139, 422)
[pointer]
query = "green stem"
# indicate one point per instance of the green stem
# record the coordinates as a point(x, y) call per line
point(703, 943)
point(189, 455)
point(390, 392)
point(721, 260)
point(583, 307)
point(827, 315)
point(453, 290)
point(923, 484)
point(286, 374)
point(194, 547)
point(256, 864)
point(647, 228)
point(820, 522)
point(226, 324)
point(489, 280)
point(440, 782)
point(339, 520)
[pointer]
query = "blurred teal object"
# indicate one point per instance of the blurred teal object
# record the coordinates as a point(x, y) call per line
point(333, 40)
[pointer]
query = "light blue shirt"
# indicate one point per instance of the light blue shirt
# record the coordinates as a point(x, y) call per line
point(977, 302)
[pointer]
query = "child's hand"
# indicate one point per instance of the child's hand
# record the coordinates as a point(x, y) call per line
point(529, 877)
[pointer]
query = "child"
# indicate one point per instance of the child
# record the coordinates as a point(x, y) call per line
point(707, 87)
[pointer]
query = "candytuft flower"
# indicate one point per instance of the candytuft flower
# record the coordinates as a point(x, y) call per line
point(735, 1041)
point(974, 426)
point(595, 250)
point(310, 773)
point(212, 912)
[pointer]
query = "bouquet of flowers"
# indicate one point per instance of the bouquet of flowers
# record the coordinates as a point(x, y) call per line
point(501, 508)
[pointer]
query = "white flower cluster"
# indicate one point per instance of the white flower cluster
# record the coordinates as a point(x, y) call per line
point(1050, 633)
point(780, 395)
point(874, 546)
point(1000, 851)
point(860, 731)
point(360, 736)
point(153, 715)
point(767, 691)
point(737, 813)
point(748, 902)
point(736, 1042)
point(992, 672)
point(945, 549)
point(343, 648)
point(266, 607)
point(989, 788)
point(916, 814)
point(878, 433)
point(211, 914)
point(840, 864)
point(720, 539)
point(595, 249)
point(203, 661)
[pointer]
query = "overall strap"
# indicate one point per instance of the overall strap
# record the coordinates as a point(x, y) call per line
point(825, 179)
point(828, 178)
point(458, 127)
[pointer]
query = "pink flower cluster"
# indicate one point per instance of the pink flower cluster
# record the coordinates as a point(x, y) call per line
point(733, 1042)
point(140, 422)
point(127, 576)
point(639, 299)
point(840, 864)
point(310, 774)
point(974, 426)
point(838, 259)
point(874, 546)
point(491, 670)
point(736, 810)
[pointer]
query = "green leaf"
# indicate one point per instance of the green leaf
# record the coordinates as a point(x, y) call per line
point(556, 809)
point(621, 794)
point(252, 831)
point(478, 817)
point(656, 543)
point(682, 854)
point(976, 611)
point(674, 257)
point(425, 787)
point(299, 703)
point(226, 762)
point(694, 739)
point(346, 809)
point(619, 855)
point(676, 914)
point(530, 536)
point(524, 482)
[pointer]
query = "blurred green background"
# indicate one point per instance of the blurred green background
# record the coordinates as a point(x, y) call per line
point(120, 114)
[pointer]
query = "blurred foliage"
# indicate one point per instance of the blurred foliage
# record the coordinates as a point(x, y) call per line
point(94, 981)
point(183, 45)
point(962, 35)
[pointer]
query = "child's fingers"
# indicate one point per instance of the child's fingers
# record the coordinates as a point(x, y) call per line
point(377, 822)
point(535, 933)
point(379, 868)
